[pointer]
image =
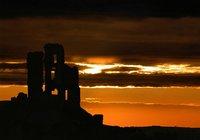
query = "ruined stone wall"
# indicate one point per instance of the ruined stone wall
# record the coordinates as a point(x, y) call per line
point(35, 74)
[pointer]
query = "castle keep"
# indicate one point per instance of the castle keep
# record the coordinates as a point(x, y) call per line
point(53, 90)
point(49, 69)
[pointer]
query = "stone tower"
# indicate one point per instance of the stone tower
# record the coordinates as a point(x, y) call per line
point(58, 76)
point(34, 75)
point(72, 85)
point(54, 70)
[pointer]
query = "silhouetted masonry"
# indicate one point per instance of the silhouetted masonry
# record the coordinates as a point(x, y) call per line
point(35, 75)
point(58, 76)
point(54, 70)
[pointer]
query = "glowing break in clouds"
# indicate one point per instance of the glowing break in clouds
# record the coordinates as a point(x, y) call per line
point(117, 68)
point(139, 69)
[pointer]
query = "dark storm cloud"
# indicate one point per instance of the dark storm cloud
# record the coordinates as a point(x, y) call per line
point(147, 41)
point(104, 28)
point(156, 53)
point(4, 66)
point(155, 80)
point(134, 8)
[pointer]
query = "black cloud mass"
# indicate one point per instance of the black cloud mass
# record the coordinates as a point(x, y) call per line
point(136, 32)
point(133, 8)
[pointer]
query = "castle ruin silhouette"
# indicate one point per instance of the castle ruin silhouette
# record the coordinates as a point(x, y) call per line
point(47, 73)
point(57, 76)
point(44, 115)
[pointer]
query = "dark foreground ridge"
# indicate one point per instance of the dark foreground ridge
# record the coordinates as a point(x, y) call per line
point(55, 112)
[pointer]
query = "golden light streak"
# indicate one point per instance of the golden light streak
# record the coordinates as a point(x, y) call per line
point(93, 68)
point(165, 68)
point(13, 62)
point(101, 60)
point(132, 69)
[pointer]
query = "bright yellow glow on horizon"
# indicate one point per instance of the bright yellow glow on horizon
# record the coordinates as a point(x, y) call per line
point(165, 68)
point(98, 68)
point(94, 68)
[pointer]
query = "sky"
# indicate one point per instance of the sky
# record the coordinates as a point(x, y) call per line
point(135, 57)
point(129, 8)
point(135, 106)
point(142, 51)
